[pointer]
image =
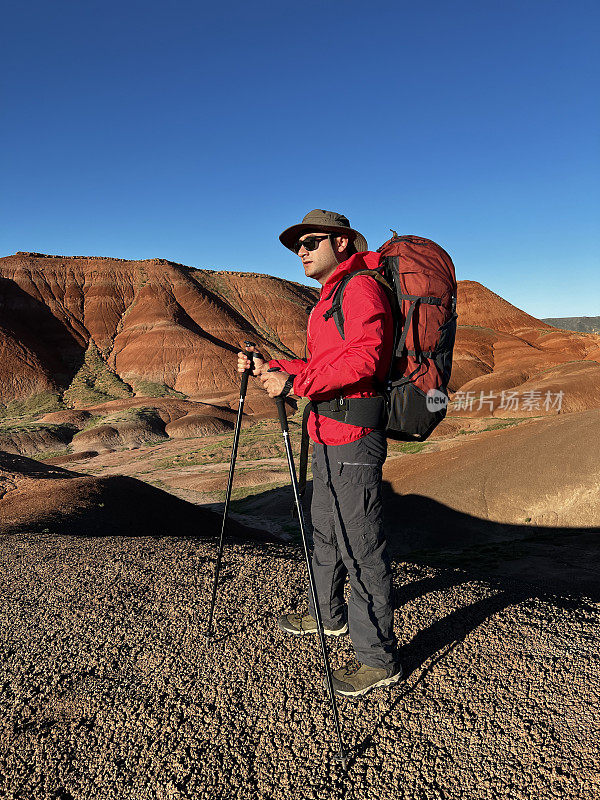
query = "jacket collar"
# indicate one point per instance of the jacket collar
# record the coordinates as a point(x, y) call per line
point(366, 260)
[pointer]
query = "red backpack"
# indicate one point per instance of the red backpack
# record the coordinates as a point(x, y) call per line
point(421, 282)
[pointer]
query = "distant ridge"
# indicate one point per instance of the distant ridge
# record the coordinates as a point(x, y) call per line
point(579, 324)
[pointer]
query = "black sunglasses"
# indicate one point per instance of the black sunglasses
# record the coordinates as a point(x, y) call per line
point(311, 243)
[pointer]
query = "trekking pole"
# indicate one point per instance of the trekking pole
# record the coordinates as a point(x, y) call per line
point(236, 437)
point(311, 579)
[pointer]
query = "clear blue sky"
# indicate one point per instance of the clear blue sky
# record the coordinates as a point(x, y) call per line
point(197, 132)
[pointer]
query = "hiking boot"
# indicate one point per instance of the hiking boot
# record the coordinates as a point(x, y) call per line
point(301, 624)
point(356, 679)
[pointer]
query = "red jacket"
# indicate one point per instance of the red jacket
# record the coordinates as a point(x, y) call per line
point(347, 367)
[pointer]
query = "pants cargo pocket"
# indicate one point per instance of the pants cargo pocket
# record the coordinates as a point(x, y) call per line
point(367, 474)
point(358, 488)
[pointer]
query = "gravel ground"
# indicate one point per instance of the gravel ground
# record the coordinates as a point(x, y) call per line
point(109, 690)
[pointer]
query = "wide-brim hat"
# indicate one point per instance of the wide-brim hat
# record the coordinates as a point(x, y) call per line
point(319, 221)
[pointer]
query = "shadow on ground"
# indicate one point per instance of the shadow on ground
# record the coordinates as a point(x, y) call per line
point(39, 497)
point(520, 565)
point(520, 562)
point(423, 531)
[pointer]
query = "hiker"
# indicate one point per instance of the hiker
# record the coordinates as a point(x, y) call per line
point(347, 459)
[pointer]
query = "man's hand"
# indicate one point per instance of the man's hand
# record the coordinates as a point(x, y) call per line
point(273, 382)
point(244, 362)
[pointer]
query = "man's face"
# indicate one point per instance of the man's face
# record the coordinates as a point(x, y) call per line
point(321, 262)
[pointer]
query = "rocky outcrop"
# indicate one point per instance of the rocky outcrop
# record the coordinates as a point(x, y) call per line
point(582, 324)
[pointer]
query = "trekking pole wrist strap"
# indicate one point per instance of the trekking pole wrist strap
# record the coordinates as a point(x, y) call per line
point(287, 386)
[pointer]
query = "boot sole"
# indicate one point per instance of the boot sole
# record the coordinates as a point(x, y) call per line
point(384, 682)
point(293, 632)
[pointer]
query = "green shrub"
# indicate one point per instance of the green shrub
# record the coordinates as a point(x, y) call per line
point(150, 389)
point(33, 406)
point(95, 382)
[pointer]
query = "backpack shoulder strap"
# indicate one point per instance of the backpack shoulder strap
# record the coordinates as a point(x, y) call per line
point(338, 296)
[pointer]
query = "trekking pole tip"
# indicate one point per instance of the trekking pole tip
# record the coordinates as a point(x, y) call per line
point(343, 760)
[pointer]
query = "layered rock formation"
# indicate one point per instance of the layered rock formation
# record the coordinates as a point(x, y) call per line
point(81, 332)
point(144, 324)
point(500, 348)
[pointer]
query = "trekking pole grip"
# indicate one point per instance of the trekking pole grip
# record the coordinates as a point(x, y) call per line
point(246, 374)
point(280, 401)
point(282, 413)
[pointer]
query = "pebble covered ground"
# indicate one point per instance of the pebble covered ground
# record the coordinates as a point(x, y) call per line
point(108, 688)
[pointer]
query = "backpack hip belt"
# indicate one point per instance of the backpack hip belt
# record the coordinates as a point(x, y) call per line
point(364, 412)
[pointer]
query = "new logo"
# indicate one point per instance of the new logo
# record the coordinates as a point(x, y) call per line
point(436, 400)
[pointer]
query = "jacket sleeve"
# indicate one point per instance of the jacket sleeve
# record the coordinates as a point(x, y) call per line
point(294, 367)
point(367, 320)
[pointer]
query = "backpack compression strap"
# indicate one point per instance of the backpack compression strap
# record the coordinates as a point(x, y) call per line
point(414, 299)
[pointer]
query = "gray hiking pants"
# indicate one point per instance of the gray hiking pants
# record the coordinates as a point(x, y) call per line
point(349, 541)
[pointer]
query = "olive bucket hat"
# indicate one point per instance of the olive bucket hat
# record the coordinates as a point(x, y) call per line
point(325, 222)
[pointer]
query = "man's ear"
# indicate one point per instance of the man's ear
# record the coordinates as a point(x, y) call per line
point(341, 243)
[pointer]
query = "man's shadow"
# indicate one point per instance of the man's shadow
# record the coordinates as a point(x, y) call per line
point(433, 644)
point(519, 563)
point(553, 558)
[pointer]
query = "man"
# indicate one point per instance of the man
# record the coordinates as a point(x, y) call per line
point(347, 459)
